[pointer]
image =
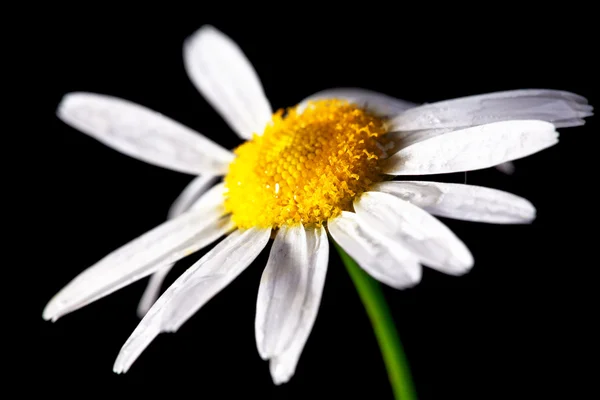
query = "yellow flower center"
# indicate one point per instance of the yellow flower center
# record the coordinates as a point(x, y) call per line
point(306, 167)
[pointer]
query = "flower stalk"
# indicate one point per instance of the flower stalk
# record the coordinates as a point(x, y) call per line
point(377, 309)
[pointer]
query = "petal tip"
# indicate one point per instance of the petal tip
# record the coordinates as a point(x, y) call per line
point(48, 315)
point(121, 366)
point(415, 277)
point(142, 310)
point(73, 103)
point(51, 311)
point(463, 268)
point(529, 212)
point(117, 369)
point(65, 104)
point(72, 99)
point(464, 263)
point(262, 351)
point(413, 280)
point(507, 168)
point(279, 374)
point(201, 33)
point(461, 264)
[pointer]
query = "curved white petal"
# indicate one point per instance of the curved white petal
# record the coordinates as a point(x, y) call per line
point(287, 288)
point(283, 366)
point(464, 202)
point(191, 193)
point(194, 288)
point(143, 134)
point(378, 103)
point(388, 261)
point(223, 74)
point(473, 148)
point(211, 203)
point(163, 245)
point(561, 108)
point(424, 235)
point(282, 291)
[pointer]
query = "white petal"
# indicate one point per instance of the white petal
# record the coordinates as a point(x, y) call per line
point(464, 202)
point(561, 108)
point(191, 193)
point(388, 261)
point(423, 234)
point(165, 244)
point(211, 202)
point(473, 148)
point(378, 103)
point(282, 291)
point(223, 74)
point(194, 288)
point(283, 366)
point(143, 134)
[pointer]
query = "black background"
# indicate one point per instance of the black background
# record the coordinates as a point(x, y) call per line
point(511, 328)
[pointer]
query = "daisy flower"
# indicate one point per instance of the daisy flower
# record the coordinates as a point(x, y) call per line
point(323, 166)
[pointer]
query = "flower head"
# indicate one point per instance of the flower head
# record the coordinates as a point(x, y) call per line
point(324, 166)
point(307, 167)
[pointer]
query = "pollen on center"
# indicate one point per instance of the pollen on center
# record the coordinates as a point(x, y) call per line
point(307, 166)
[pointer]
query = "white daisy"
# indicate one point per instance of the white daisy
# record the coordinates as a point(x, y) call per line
point(324, 166)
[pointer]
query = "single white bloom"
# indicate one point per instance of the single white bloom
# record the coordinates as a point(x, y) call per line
point(311, 183)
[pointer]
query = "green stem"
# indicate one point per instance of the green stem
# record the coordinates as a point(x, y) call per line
point(371, 295)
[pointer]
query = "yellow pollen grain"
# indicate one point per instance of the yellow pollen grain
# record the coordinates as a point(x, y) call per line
point(306, 167)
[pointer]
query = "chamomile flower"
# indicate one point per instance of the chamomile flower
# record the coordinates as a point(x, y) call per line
point(323, 166)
